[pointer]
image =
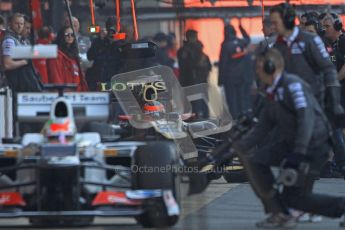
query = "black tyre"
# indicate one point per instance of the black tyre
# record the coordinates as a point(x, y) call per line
point(156, 155)
point(235, 174)
point(198, 181)
point(214, 176)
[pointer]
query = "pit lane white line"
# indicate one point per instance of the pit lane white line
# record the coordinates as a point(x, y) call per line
point(196, 202)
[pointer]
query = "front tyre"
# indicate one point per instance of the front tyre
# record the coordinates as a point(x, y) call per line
point(159, 159)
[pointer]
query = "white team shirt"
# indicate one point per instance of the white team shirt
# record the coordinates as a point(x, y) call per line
point(7, 46)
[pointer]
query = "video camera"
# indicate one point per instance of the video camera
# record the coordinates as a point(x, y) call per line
point(293, 177)
point(244, 124)
point(223, 152)
point(94, 29)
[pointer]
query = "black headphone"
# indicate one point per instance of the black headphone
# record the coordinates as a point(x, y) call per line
point(269, 66)
point(288, 15)
point(337, 24)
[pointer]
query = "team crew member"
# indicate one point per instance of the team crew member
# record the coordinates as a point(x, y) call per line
point(234, 69)
point(314, 26)
point(306, 56)
point(307, 17)
point(332, 32)
point(333, 28)
point(2, 34)
point(269, 33)
point(26, 31)
point(20, 74)
point(303, 136)
point(195, 67)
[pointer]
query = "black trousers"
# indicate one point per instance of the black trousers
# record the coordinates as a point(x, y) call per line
point(262, 181)
point(235, 97)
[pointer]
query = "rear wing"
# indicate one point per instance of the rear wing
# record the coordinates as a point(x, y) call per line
point(87, 107)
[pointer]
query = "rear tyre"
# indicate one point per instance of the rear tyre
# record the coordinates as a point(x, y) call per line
point(157, 155)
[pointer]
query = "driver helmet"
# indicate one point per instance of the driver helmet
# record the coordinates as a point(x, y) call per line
point(61, 130)
point(153, 108)
point(60, 127)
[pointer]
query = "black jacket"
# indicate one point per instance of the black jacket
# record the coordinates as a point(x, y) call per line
point(194, 64)
point(308, 58)
point(338, 54)
point(163, 58)
point(294, 111)
point(107, 61)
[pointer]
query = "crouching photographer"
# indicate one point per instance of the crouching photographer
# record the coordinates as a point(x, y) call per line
point(300, 144)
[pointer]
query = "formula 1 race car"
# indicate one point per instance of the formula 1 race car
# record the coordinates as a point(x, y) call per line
point(157, 107)
point(61, 177)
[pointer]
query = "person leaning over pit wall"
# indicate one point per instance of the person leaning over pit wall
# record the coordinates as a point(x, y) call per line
point(2, 35)
point(20, 74)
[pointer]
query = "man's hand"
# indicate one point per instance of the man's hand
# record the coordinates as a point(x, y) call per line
point(341, 74)
point(10, 64)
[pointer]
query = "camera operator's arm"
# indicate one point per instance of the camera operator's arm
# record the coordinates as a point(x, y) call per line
point(95, 49)
point(305, 116)
point(259, 132)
